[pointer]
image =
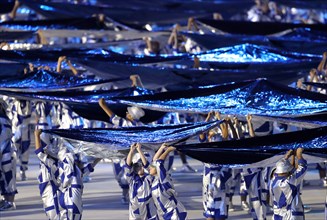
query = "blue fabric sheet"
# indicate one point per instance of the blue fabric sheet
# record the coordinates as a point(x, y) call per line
point(260, 96)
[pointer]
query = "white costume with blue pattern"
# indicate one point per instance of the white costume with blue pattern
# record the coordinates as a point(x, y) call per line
point(285, 192)
point(21, 113)
point(164, 195)
point(216, 182)
point(141, 204)
point(7, 159)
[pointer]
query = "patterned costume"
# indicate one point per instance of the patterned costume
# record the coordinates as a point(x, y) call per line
point(7, 159)
point(216, 181)
point(164, 195)
point(141, 204)
point(61, 185)
point(285, 192)
point(49, 183)
point(21, 113)
point(256, 180)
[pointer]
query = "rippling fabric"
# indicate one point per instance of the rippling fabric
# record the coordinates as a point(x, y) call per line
point(85, 103)
point(318, 85)
point(132, 14)
point(248, 53)
point(103, 55)
point(251, 150)
point(300, 122)
point(256, 97)
point(10, 68)
point(108, 142)
point(177, 78)
point(299, 41)
point(8, 36)
point(90, 23)
point(304, 4)
point(257, 28)
point(46, 80)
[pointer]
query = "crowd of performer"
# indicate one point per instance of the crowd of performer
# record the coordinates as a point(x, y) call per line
point(145, 175)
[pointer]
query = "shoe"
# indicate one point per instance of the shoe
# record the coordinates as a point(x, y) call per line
point(2, 203)
point(305, 183)
point(306, 209)
point(124, 201)
point(270, 210)
point(231, 207)
point(8, 206)
point(245, 206)
point(22, 175)
point(86, 179)
point(187, 169)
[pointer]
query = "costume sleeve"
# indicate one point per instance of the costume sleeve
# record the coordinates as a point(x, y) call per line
point(44, 158)
point(116, 120)
point(164, 177)
point(301, 170)
point(67, 169)
point(128, 172)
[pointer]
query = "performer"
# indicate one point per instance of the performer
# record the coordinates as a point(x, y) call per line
point(216, 182)
point(60, 178)
point(141, 204)
point(21, 113)
point(133, 115)
point(7, 164)
point(163, 192)
point(285, 186)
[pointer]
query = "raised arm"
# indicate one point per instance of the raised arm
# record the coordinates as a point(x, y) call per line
point(37, 134)
point(192, 24)
point(71, 67)
point(299, 156)
point(165, 154)
point(223, 127)
point(232, 128)
point(130, 154)
point(173, 35)
point(139, 150)
point(136, 81)
point(238, 128)
point(323, 63)
point(105, 108)
point(251, 130)
point(60, 60)
point(196, 63)
point(14, 10)
point(203, 135)
point(159, 151)
point(290, 154)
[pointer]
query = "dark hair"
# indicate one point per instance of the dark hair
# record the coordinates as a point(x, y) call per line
point(137, 166)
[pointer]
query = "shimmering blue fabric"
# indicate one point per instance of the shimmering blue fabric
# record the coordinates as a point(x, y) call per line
point(302, 41)
point(46, 80)
point(248, 97)
point(251, 150)
point(109, 142)
point(245, 53)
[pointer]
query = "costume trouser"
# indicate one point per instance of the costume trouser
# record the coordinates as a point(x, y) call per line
point(121, 178)
point(70, 201)
point(7, 169)
point(22, 143)
point(255, 190)
point(49, 194)
point(237, 181)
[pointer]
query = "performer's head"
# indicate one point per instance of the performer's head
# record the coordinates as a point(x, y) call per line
point(134, 113)
point(153, 169)
point(283, 167)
